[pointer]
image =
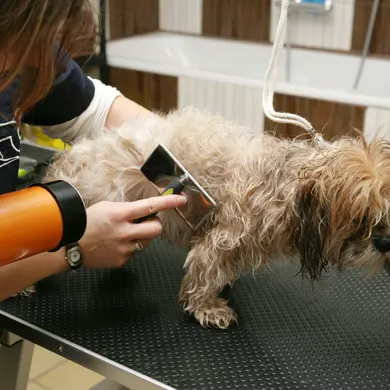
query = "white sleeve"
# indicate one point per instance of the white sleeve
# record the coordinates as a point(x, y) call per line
point(91, 123)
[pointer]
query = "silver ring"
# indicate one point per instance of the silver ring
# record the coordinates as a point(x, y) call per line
point(138, 246)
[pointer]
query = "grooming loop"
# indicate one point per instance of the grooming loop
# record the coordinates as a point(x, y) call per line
point(270, 77)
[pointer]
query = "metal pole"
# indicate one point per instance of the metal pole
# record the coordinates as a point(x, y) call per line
point(15, 361)
point(367, 42)
point(104, 70)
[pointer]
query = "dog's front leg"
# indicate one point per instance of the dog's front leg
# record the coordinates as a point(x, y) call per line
point(208, 271)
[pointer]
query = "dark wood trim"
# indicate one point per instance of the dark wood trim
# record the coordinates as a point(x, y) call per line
point(152, 91)
point(330, 118)
point(247, 20)
point(132, 17)
point(380, 44)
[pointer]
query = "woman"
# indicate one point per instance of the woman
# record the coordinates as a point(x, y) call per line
point(40, 85)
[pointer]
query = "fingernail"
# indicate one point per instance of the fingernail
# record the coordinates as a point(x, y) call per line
point(181, 200)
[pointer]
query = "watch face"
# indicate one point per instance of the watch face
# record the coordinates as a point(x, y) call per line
point(74, 255)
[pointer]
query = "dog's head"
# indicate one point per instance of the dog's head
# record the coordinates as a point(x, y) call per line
point(343, 207)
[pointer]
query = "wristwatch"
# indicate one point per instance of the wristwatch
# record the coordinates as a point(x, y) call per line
point(74, 256)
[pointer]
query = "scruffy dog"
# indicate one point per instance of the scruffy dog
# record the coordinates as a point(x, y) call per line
point(276, 199)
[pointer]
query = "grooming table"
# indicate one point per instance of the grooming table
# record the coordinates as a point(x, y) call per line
point(126, 325)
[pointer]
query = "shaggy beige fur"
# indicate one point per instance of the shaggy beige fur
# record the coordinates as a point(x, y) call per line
point(277, 199)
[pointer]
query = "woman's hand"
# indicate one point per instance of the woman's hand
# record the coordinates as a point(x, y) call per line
point(111, 235)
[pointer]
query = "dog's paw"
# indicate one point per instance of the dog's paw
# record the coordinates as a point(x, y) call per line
point(216, 315)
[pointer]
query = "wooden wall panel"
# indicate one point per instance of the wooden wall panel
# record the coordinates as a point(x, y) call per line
point(247, 20)
point(330, 118)
point(153, 91)
point(380, 44)
point(132, 17)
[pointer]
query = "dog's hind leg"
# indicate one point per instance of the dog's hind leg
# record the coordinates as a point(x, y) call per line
point(208, 270)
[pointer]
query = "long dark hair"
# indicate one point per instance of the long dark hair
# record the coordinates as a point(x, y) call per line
point(30, 30)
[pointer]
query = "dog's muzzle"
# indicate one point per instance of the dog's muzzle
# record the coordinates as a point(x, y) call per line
point(381, 244)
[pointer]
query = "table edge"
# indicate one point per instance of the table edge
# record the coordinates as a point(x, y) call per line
point(116, 372)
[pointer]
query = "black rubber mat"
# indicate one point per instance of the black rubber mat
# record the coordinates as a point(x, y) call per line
point(290, 336)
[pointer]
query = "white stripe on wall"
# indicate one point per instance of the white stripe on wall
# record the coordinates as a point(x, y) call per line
point(234, 102)
point(332, 30)
point(184, 16)
point(377, 122)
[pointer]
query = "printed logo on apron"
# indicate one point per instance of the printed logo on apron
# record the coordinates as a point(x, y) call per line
point(8, 144)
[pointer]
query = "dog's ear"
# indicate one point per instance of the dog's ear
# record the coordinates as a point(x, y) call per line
point(312, 230)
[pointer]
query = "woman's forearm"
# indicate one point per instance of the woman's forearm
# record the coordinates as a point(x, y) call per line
point(16, 276)
point(124, 109)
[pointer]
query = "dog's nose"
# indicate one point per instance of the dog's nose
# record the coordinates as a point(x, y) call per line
point(382, 244)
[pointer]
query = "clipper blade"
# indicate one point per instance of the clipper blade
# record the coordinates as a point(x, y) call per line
point(160, 168)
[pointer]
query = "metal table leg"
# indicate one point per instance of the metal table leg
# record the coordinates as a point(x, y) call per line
point(15, 361)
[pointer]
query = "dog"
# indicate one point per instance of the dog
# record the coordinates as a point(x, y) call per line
point(277, 199)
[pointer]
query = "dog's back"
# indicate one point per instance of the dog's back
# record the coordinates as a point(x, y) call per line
point(235, 164)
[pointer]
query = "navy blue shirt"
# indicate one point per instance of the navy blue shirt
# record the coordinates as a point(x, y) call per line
point(70, 95)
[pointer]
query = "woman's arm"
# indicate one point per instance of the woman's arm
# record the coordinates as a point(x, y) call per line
point(123, 109)
point(82, 107)
point(17, 276)
point(108, 242)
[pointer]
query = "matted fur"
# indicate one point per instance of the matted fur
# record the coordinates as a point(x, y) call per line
point(277, 199)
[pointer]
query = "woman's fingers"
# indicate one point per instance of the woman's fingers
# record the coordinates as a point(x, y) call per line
point(134, 246)
point(141, 208)
point(146, 230)
point(112, 223)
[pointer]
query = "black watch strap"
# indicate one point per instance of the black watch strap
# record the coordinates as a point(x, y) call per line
point(74, 256)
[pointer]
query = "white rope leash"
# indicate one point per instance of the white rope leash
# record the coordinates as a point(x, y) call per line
point(270, 79)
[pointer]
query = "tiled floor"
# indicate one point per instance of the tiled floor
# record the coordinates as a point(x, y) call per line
point(52, 372)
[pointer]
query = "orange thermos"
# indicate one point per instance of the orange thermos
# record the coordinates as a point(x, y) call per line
point(40, 218)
